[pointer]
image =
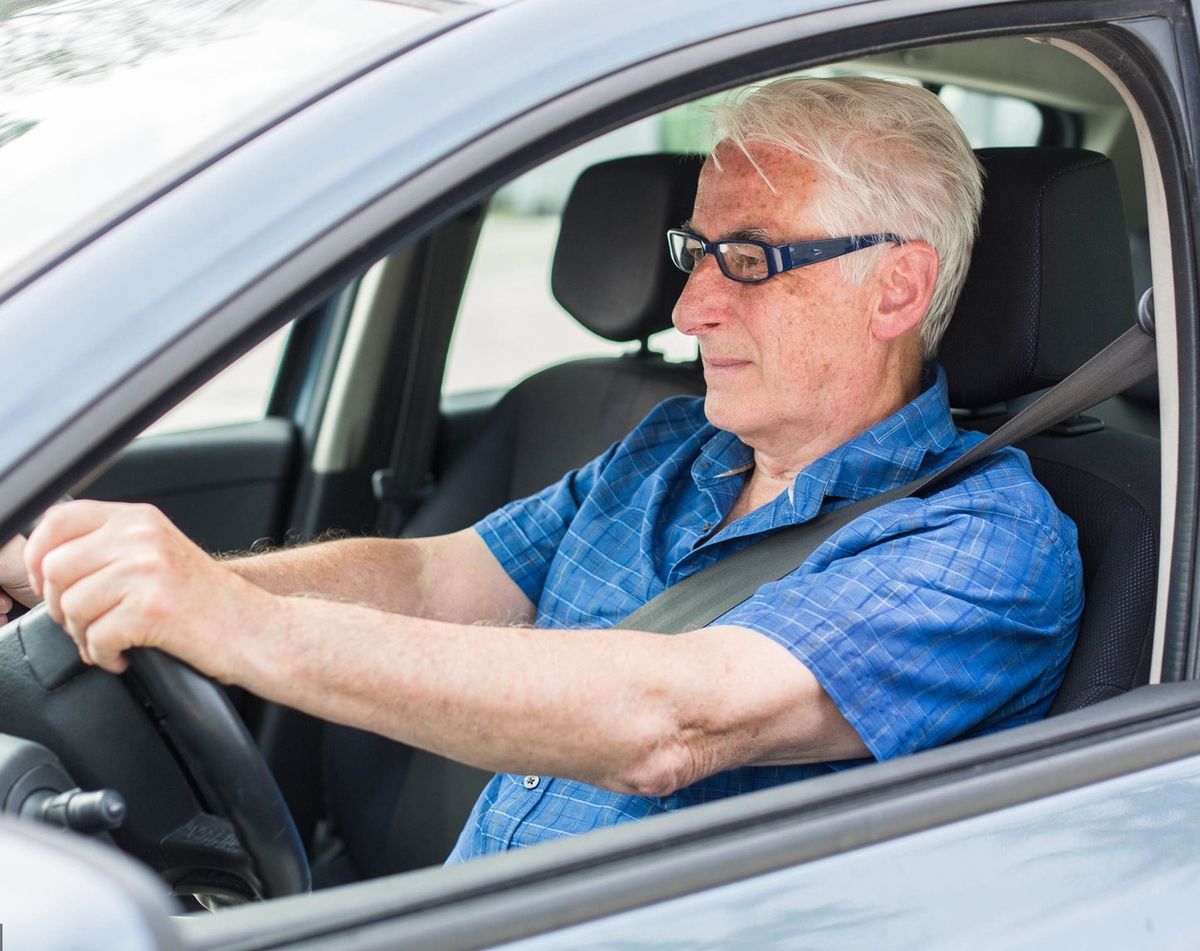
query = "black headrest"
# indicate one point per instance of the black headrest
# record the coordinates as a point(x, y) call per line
point(611, 269)
point(1051, 278)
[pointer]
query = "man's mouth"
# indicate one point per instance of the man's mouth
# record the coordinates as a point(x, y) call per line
point(724, 363)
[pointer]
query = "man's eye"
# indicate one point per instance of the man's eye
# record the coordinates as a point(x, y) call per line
point(746, 261)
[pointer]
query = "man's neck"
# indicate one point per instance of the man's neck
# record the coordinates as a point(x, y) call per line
point(781, 457)
point(777, 463)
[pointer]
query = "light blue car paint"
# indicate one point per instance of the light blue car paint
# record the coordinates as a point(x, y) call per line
point(1107, 866)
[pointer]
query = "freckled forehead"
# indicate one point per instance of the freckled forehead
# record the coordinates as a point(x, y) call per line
point(735, 197)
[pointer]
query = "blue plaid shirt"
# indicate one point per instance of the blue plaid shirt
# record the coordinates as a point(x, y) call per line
point(924, 620)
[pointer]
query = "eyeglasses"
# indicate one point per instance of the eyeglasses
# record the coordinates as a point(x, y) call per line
point(751, 262)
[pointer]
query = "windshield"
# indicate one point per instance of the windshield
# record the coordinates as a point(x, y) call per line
point(102, 103)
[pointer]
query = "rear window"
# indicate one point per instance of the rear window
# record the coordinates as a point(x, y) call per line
point(993, 120)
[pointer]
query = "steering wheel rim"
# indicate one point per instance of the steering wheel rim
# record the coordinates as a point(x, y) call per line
point(221, 757)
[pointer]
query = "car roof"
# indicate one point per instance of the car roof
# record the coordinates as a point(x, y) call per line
point(108, 129)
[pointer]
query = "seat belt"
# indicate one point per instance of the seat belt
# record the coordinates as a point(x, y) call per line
point(701, 598)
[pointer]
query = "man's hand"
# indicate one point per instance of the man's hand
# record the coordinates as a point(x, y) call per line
point(118, 576)
point(14, 579)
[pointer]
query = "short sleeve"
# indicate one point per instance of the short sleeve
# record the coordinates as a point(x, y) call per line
point(525, 535)
point(930, 622)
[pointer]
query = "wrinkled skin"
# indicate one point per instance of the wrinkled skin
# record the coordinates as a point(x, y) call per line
point(116, 576)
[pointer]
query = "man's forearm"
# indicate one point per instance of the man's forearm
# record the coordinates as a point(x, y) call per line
point(449, 577)
point(625, 710)
point(384, 573)
point(510, 699)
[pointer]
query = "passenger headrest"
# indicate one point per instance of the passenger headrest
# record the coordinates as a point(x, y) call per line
point(611, 269)
point(1051, 278)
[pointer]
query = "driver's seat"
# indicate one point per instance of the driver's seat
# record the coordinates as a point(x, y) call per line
point(1051, 283)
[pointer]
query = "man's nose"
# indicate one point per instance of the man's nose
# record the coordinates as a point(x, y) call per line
point(704, 304)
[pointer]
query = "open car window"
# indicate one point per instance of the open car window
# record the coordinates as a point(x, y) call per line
point(1021, 786)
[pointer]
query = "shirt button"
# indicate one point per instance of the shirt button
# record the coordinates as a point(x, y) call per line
point(530, 782)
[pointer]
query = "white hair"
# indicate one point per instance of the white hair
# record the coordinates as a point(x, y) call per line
point(892, 158)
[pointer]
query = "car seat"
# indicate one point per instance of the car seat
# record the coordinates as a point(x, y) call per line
point(1051, 282)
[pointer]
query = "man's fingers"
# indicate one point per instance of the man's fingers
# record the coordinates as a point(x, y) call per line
point(88, 600)
point(103, 642)
point(60, 524)
point(14, 579)
point(73, 561)
point(117, 576)
point(96, 617)
point(106, 642)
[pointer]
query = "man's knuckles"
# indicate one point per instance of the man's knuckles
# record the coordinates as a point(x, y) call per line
point(67, 520)
point(105, 641)
point(58, 568)
point(78, 607)
point(144, 531)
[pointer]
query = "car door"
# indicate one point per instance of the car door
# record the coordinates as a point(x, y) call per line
point(638, 883)
point(220, 466)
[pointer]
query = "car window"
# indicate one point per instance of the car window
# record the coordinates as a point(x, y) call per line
point(992, 120)
point(510, 325)
point(238, 394)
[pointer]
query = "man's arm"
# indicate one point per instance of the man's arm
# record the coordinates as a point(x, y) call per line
point(447, 577)
point(624, 710)
point(621, 709)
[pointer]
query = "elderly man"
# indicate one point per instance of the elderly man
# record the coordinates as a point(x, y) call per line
point(924, 621)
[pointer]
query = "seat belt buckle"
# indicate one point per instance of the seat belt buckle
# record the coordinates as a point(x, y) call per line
point(396, 502)
point(383, 486)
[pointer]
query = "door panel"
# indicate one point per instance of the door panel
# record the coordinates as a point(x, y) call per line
point(1109, 865)
point(225, 486)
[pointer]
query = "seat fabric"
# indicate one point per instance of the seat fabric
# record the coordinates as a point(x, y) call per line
point(1108, 484)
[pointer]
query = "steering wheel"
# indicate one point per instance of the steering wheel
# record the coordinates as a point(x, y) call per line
point(225, 830)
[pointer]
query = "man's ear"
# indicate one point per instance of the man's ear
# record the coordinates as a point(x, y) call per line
point(907, 275)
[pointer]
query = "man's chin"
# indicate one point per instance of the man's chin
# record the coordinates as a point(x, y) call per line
point(723, 413)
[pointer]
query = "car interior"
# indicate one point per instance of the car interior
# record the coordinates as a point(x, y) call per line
point(358, 435)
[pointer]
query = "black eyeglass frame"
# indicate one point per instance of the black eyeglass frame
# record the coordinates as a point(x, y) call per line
point(779, 257)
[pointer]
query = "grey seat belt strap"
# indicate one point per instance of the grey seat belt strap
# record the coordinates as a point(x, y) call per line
point(701, 598)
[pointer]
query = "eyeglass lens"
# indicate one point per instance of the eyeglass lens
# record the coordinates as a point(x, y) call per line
point(739, 260)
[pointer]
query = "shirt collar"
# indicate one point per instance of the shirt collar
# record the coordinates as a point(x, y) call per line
point(722, 455)
point(893, 451)
point(888, 454)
